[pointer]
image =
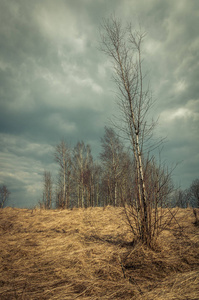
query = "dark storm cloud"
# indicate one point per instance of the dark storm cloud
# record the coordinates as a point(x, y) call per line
point(55, 84)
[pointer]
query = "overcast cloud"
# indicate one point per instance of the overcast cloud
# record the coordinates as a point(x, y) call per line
point(55, 84)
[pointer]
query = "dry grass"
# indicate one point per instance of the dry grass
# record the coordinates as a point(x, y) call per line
point(87, 254)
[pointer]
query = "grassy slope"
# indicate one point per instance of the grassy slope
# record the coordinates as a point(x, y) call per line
point(84, 254)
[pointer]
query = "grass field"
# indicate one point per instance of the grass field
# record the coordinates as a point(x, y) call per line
point(87, 254)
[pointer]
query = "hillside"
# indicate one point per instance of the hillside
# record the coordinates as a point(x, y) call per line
point(87, 254)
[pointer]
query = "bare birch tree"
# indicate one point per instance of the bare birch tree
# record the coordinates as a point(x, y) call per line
point(63, 158)
point(194, 192)
point(47, 191)
point(124, 47)
point(97, 175)
point(115, 164)
point(4, 195)
point(82, 174)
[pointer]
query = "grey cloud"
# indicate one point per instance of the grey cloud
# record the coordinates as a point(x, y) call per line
point(19, 34)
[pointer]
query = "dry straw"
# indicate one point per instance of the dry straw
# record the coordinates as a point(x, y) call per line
point(88, 254)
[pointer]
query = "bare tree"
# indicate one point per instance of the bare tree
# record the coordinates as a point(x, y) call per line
point(182, 198)
point(115, 164)
point(4, 195)
point(194, 192)
point(124, 47)
point(82, 174)
point(63, 158)
point(96, 180)
point(47, 191)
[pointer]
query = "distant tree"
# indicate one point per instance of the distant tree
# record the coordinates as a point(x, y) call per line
point(97, 184)
point(63, 158)
point(187, 197)
point(115, 163)
point(82, 174)
point(194, 192)
point(182, 198)
point(47, 191)
point(4, 195)
point(126, 180)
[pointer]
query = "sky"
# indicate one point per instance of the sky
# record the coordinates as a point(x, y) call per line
point(55, 83)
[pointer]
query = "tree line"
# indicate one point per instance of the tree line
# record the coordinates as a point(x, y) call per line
point(84, 182)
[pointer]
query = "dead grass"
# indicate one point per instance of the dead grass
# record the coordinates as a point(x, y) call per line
point(87, 254)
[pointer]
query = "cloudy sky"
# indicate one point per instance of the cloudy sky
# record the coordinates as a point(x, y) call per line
point(55, 83)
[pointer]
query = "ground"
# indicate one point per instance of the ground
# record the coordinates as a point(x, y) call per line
point(88, 254)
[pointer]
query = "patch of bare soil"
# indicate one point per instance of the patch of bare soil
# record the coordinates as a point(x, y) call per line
point(88, 254)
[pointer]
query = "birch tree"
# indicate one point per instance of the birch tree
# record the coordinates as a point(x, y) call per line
point(63, 158)
point(82, 174)
point(47, 191)
point(124, 48)
point(4, 195)
point(194, 192)
point(114, 161)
